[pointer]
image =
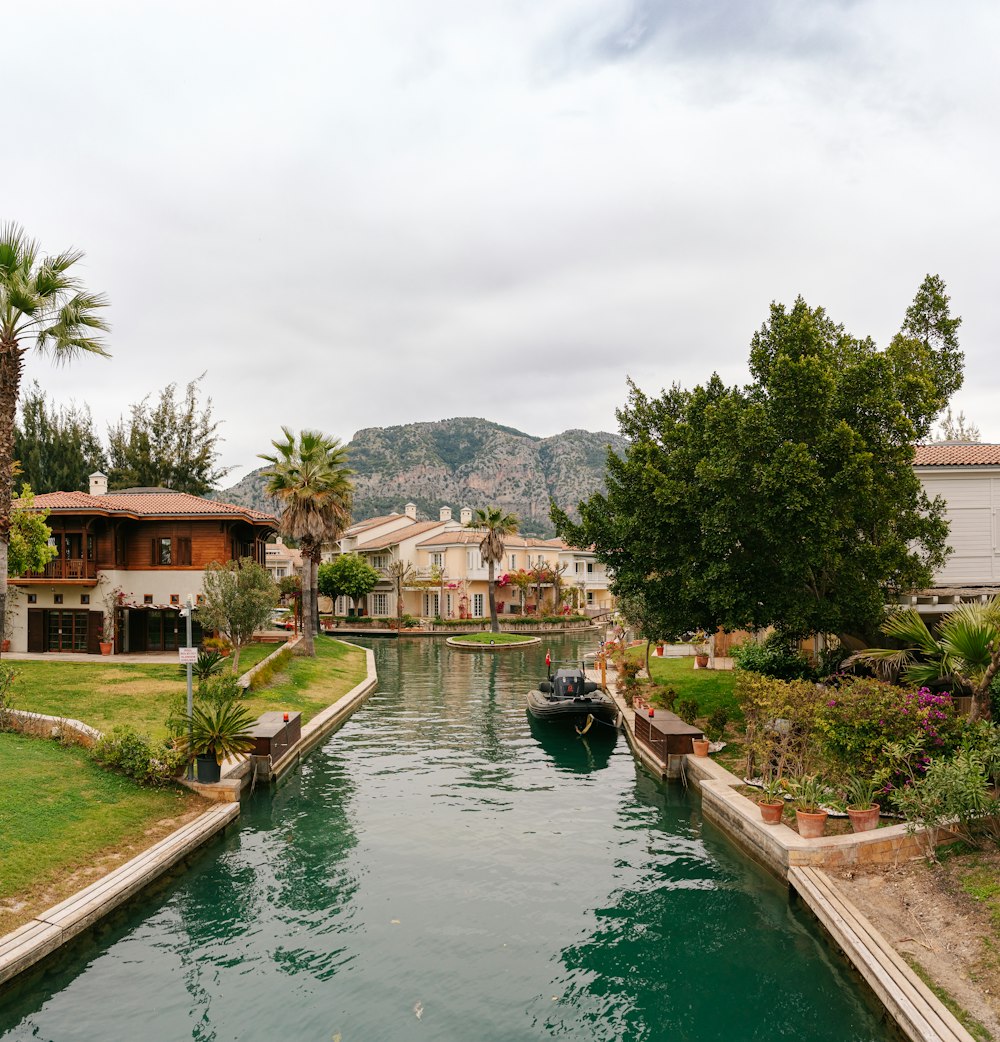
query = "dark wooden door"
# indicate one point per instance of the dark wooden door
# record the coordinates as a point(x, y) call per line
point(36, 629)
point(95, 621)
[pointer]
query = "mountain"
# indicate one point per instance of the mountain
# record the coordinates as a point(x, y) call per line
point(463, 462)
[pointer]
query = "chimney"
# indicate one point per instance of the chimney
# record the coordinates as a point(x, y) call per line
point(466, 515)
point(411, 511)
point(445, 513)
point(98, 484)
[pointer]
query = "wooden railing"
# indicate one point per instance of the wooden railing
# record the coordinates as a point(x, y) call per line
point(65, 568)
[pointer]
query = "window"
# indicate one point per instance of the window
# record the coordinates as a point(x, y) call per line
point(470, 559)
point(432, 604)
point(447, 604)
point(477, 605)
point(175, 598)
point(200, 599)
point(147, 598)
point(161, 551)
point(590, 567)
point(32, 598)
point(590, 596)
point(437, 560)
point(279, 573)
point(380, 604)
point(85, 598)
point(379, 561)
point(57, 599)
point(513, 562)
point(578, 567)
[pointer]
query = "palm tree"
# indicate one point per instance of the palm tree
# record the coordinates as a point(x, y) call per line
point(42, 306)
point(495, 526)
point(966, 650)
point(311, 480)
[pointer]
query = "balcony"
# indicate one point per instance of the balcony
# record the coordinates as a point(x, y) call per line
point(63, 569)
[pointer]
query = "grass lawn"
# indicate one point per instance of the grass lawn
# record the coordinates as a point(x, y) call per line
point(710, 688)
point(104, 694)
point(494, 638)
point(65, 821)
point(309, 685)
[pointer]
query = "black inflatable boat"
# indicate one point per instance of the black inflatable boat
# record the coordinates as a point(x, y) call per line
point(567, 695)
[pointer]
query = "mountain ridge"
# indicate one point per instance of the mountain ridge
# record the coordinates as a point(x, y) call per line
point(463, 461)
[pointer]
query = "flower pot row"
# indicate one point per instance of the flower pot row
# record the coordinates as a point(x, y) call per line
point(808, 795)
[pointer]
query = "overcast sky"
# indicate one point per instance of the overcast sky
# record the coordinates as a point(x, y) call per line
point(364, 214)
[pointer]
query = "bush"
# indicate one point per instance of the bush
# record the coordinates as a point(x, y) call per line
point(8, 676)
point(687, 709)
point(222, 689)
point(128, 752)
point(781, 737)
point(717, 721)
point(775, 658)
point(265, 674)
point(858, 719)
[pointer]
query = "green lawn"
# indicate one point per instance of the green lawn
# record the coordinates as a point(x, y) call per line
point(710, 688)
point(59, 812)
point(494, 638)
point(104, 693)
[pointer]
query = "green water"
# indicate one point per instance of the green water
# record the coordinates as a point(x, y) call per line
point(440, 857)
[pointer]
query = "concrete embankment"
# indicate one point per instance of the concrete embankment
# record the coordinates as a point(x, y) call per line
point(918, 1013)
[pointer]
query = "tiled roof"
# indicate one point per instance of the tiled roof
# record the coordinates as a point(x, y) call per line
point(391, 538)
point(515, 542)
point(146, 504)
point(957, 454)
point(371, 522)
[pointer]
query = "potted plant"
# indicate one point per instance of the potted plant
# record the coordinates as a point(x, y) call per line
point(699, 640)
point(700, 746)
point(219, 731)
point(809, 793)
point(861, 806)
point(772, 800)
point(111, 622)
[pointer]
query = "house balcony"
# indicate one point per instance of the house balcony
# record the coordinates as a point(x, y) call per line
point(63, 569)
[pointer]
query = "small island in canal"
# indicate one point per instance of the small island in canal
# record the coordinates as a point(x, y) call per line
point(492, 641)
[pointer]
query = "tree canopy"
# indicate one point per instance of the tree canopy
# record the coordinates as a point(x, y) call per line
point(56, 446)
point(29, 549)
point(239, 597)
point(170, 444)
point(791, 501)
point(349, 575)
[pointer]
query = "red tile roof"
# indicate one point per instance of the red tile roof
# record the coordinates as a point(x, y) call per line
point(517, 542)
point(957, 454)
point(371, 522)
point(398, 534)
point(147, 504)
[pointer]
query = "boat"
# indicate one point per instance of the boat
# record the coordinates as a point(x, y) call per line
point(567, 695)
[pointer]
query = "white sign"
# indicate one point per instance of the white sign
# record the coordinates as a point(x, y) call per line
point(187, 656)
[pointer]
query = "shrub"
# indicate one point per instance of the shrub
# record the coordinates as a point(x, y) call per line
point(856, 720)
point(780, 724)
point(687, 709)
point(717, 721)
point(265, 674)
point(8, 676)
point(128, 752)
point(775, 658)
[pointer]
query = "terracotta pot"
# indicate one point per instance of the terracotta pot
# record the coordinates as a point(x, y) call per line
point(4, 646)
point(701, 661)
point(771, 812)
point(811, 826)
point(700, 746)
point(106, 647)
point(659, 649)
point(864, 820)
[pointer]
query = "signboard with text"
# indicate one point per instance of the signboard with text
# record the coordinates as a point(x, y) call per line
point(187, 656)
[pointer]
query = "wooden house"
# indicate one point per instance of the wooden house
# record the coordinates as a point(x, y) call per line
point(125, 564)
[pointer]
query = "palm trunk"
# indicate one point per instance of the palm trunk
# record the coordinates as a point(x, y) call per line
point(307, 647)
point(494, 625)
point(10, 382)
point(314, 580)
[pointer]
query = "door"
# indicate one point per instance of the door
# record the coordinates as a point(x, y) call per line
point(36, 629)
point(95, 621)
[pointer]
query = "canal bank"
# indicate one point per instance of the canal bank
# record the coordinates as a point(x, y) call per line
point(914, 1008)
point(57, 926)
point(445, 866)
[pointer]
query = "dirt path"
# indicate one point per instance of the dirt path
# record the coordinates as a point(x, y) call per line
point(943, 918)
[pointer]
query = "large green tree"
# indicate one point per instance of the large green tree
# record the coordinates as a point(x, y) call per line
point(310, 478)
point(348, 575)
point(45, 307)
point(495, 526)
point(29, 549)
point(167, 444)
point(56, 446)
point(789, 502)
point(239, 598)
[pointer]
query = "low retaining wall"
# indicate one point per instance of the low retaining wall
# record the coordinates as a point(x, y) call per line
point(53, 727)
point(45, 933)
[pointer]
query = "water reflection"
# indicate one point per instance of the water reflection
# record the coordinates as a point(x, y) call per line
point(516, 881)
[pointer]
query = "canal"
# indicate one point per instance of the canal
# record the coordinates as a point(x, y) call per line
point(441, 869)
